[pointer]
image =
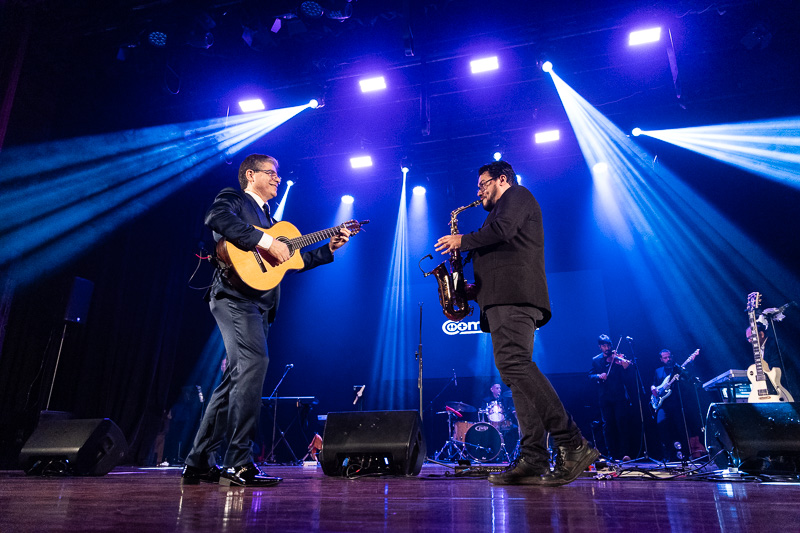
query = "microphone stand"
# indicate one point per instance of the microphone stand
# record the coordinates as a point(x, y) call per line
point(418, 355)
point(639, 390)
point(274, 397)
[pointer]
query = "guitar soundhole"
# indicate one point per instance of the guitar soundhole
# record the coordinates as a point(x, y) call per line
point(288, 244)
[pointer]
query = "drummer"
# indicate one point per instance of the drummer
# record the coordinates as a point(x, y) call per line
point(498, 408)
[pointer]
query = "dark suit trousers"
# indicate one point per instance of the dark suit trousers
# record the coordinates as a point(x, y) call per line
point(235, 405)
point(539, 409)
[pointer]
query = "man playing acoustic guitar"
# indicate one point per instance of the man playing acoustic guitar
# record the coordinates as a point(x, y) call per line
point(243, 317)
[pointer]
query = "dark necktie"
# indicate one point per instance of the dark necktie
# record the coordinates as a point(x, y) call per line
point(266, 212)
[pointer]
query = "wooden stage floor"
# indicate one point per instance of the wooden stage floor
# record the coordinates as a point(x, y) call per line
point(152, 499)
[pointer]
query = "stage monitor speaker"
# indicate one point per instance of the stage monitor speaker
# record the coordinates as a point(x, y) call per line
point(370, 442)
point(754, 437)
point(80, 297)
point(90, 447)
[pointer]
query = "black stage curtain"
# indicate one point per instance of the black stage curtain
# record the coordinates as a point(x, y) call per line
point(144, 332)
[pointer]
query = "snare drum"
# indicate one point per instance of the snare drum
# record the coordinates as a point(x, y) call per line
point(460, 429)
point(483, 442)
point(494, 412)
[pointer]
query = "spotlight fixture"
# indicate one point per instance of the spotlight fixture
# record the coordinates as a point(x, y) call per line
point(418, 190)
point(600, 168)
point(248, 106)
point(361, 161)
point(157, 39)
point(404, 169)
point(347, 199)
point(649, 35)
point(289, 183)
point(497, 156)
point(636, 132)
point(547, 67)
point(372, 84)
point(311, 10)
point(484, 64)
point(546, 136)
point(313, 103)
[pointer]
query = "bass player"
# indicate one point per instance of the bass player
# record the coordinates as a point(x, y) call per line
point(678, 417)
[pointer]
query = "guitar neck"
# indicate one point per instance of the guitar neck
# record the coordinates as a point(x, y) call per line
point(306, 240)
point(754, 342)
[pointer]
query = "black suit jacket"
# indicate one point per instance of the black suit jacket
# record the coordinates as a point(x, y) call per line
point(233, 215)
point(508, 254)
point(620, 385)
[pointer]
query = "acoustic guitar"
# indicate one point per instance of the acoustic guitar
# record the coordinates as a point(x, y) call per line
point(257, 270)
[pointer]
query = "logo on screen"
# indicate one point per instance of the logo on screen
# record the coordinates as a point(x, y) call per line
point(461, 328)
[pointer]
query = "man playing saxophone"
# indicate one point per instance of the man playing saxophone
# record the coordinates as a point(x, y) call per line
point(511, 290)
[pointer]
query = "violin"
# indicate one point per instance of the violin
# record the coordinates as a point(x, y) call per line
point(619, 358)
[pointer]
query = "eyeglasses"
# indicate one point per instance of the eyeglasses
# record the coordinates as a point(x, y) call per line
point(483, 184)
point(271, 174)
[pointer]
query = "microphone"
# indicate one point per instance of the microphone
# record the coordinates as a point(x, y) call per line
point(455, 378)
point(290, 365)
point(777, 311)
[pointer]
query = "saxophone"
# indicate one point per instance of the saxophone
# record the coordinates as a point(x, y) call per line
point(452, 287)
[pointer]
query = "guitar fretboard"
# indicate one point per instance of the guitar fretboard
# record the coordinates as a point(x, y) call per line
point(307, 240)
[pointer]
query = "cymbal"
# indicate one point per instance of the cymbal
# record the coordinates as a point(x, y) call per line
point(461, 406)
point(507, 394)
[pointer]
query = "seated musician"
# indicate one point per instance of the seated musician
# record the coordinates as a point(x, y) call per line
point(499, 409)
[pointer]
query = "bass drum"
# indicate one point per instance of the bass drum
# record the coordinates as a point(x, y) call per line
point(483, 442)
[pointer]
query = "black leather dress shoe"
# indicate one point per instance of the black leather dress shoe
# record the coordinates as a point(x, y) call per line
point(521, 472)
point(192, 475)
point(247, 475)
point(569, 464)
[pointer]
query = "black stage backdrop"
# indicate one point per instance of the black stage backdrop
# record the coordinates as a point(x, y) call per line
point(138, 338)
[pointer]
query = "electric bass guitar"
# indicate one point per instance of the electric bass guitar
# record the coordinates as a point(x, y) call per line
point(765, 383)
point(250, 270)
point(665, 389)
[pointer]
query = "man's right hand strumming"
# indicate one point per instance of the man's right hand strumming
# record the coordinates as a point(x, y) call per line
point(279, 251)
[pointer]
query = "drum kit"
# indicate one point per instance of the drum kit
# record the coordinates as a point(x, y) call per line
point(483, 441)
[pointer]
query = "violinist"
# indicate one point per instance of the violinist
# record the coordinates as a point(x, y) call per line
point(616, 390)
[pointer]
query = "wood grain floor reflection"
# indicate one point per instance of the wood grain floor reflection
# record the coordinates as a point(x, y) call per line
point(154, 500)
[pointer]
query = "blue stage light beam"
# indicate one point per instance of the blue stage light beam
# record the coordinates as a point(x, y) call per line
point(392, 365)
point(768, 148)
point(690, 263)
point(344, 212)
point(60, 198)
point(282, 204)
point(418, 222)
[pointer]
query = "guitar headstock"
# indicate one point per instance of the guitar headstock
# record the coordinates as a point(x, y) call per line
point(354, 226)
point(694, 354)
point(753, 301)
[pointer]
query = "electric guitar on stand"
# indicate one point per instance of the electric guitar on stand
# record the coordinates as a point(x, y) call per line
point(765, 383)
point(256, 269)
point(665, 389)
